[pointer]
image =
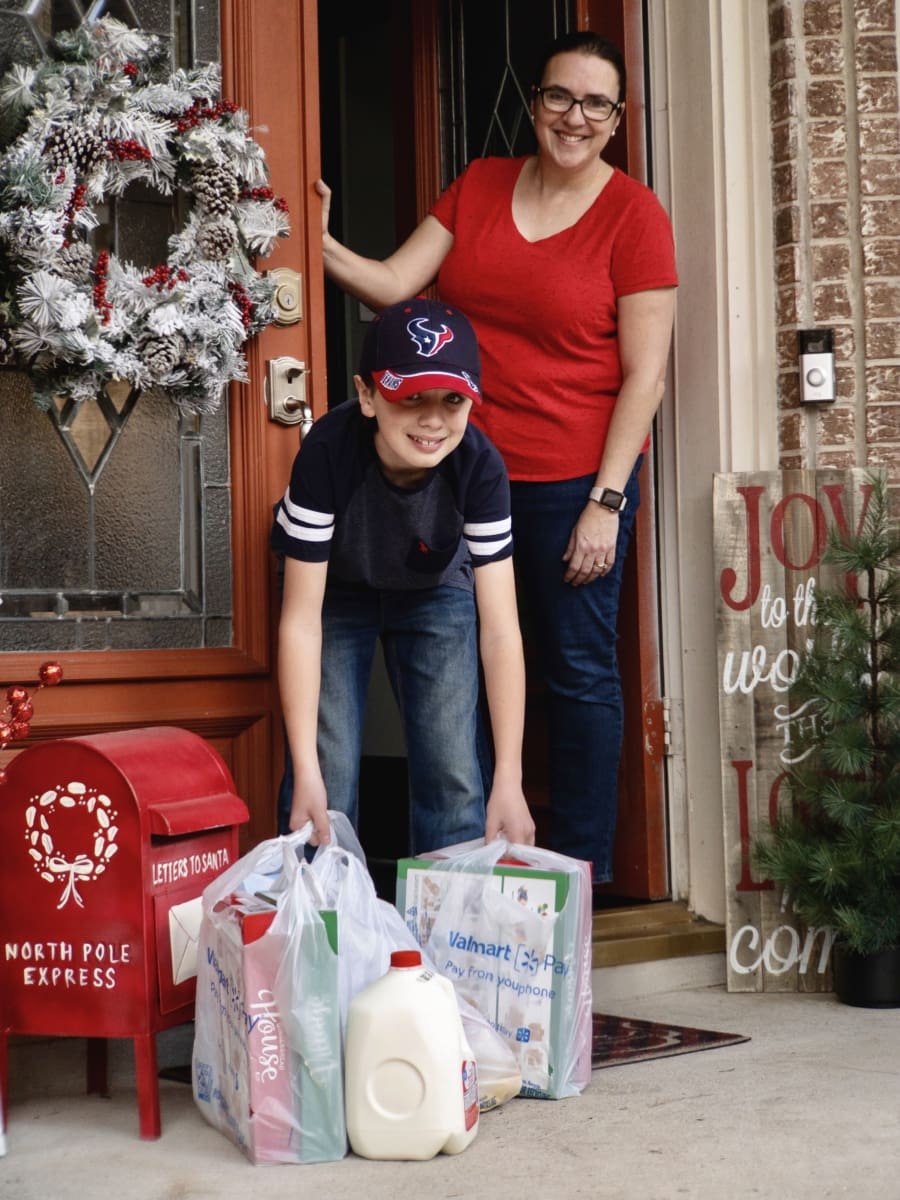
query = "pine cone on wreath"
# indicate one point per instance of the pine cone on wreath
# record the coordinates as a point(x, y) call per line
point(215, 188)
point(162, 354)
point(80, 148)
point(74, 261)
point(216, 240)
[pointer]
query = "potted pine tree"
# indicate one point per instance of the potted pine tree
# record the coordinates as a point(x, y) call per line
point(837, 851)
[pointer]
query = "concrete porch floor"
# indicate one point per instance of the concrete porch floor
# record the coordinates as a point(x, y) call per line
point(809, 1108)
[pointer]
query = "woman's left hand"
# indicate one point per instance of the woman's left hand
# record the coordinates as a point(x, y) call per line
point(591, 550)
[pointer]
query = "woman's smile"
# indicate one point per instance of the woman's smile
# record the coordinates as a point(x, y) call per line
point(570, 138)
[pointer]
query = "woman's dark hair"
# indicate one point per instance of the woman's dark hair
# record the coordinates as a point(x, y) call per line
point(586, 42)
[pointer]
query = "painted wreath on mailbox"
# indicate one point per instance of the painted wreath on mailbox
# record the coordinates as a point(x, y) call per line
point(102, 114)
point(50, 861)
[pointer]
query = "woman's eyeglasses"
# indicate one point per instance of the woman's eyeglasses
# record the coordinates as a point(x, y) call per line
point(593, 108)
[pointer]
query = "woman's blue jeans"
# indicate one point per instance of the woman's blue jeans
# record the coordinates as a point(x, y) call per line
point(574, 632)
point(430, 644)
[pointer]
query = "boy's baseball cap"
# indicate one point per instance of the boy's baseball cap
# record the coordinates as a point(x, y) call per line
point(421, 344)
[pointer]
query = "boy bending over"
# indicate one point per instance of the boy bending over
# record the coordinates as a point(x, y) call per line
point(396, 525)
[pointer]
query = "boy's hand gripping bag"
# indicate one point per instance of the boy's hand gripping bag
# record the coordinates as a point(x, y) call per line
point(267, 1063)
point(510, 925)
point(370, 929)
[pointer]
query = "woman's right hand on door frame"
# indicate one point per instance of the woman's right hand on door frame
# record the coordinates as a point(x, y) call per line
point(324, 192)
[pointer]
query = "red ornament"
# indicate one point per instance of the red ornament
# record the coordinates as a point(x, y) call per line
point(23, 710)
point(15, 722)
point(50, 674)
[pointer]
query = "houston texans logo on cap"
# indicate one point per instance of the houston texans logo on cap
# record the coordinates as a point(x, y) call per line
point(428, 341)
point(403, 334)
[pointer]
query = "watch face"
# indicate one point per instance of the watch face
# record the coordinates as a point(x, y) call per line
point(612, 499)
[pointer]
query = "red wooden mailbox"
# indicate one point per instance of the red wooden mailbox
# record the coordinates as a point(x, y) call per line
point(106, 843)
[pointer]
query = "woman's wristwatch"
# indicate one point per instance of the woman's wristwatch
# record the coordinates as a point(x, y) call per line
point(608, 498)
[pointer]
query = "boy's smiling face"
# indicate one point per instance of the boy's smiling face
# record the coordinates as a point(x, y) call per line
point(416, 433)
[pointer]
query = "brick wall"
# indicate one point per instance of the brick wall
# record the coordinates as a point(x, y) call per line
point(836, 190)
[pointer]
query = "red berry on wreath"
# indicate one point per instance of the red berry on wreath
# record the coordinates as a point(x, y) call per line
point(16, 694)
point(22, 711)
point(5, 733)
point(20, 730)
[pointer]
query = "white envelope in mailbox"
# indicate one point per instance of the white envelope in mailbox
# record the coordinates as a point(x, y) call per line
point(184, 930)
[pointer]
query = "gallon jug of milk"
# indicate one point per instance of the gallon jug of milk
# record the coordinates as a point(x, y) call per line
point(410, 1086)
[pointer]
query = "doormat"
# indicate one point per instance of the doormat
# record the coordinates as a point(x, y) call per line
point(618, 1040)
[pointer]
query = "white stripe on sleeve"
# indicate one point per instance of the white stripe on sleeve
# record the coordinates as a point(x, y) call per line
point(308, 516)
point(304, 533)
point(487, 549)
point(487, 528)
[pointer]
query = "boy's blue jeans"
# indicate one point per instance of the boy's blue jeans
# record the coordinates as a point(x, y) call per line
point(430, 645)
point(574, 630)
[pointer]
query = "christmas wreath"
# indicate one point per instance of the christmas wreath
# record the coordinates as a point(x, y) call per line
point(103, 113)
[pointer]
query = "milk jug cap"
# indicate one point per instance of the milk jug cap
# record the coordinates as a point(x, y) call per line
point(406, 958)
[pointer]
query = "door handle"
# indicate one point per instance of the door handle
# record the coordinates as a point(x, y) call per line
point(286, 393)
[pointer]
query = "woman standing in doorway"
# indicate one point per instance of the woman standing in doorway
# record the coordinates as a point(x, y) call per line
point(565, 267)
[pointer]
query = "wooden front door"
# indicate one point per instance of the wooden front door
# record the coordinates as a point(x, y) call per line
point(220, 680)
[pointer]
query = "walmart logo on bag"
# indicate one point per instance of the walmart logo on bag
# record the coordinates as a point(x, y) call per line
point(465, 941)
point(527, 960)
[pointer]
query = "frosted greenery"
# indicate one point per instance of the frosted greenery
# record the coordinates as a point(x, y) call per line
point(102, 114)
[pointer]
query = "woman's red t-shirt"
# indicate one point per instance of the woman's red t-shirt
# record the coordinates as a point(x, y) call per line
point(545, 312)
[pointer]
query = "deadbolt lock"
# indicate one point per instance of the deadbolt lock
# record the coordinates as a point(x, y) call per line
point(288, 298)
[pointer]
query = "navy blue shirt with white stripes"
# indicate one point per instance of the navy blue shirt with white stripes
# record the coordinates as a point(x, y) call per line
point(340, 508)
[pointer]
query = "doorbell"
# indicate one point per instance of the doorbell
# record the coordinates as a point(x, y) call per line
point(816, 348)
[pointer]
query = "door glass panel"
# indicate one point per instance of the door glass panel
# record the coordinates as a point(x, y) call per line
point(488, 66)
point(115, 518)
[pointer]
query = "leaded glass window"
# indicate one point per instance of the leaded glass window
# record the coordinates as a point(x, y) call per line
point(115, 521)
point(490, 53)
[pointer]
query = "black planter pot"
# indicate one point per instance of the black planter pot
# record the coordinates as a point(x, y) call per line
point(867, 980)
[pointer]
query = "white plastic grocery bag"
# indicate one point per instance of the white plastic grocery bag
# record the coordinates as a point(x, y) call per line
point(267, 1061)
point(510, 925)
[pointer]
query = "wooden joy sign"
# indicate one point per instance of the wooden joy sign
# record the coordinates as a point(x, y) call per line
point(771, 530)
